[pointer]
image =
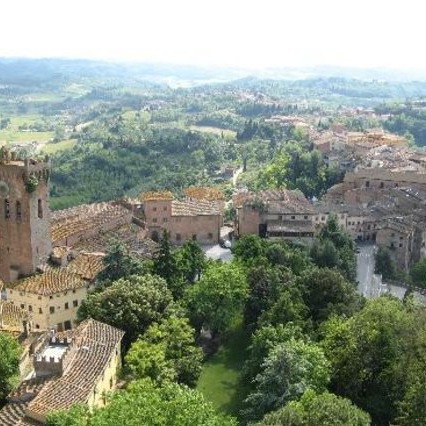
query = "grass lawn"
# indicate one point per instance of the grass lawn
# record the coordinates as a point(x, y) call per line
point(219, 379)
point(51, 148)
point(215, 130)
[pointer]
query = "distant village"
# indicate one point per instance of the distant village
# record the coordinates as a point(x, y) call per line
point(49, 260)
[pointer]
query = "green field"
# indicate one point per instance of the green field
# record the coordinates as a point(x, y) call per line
point(52, 148)
point(12, 134)
point(215, 130)
point(219, 381)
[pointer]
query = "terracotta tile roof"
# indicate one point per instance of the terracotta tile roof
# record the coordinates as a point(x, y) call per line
point(13, 413)
point(132, 235)
point(11, 316)
point(195, 208)
point(96, 345)
point(204, 193)
point(54, 280)
point(83, 218)
point(156, 196)
point(87, 265)
point(276, 200)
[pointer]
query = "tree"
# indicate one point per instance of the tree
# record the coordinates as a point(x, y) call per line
point(384, 264)
point(335, 248)
point(289, 308)
point(167, 350)
point(248, 248)
point(165, 266)
point(418, 273)
point(191, 260)
point(120, 263)
point(263, 341)
point(10, 355)
point(265, 283)
point(289, 370)
point(219, 297)
point(371, 353)
point(144, 403)
point(325, 292)
point(315, 409)
point(131, 304)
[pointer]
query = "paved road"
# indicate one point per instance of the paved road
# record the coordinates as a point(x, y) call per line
point(216, 252)
point(370, 284)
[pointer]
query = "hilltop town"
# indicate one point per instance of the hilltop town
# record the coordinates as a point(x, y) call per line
point(165, 232)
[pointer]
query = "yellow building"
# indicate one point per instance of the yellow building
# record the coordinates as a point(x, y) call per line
point(53, 297)
point(76, 367)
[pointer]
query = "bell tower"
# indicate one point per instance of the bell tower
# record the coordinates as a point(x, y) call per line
point(25, 240)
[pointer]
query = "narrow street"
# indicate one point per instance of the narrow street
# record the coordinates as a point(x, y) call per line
point(370, 284)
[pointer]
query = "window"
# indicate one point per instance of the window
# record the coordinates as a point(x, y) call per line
point(22, 306)
point(154, 209)
point(67, 325)
point(75, 303)
point(40, 311)
point(280, 217)
point(178, 237)
point(30, 308)
point(293, 217)
point(6, 209)
point(40, 209)
point(50, 297)
point(393, 234)
point(73, 290)
point(164, 219)
point(400, 244)
point(382, 185)
point(18, 211)
point(165, 208)
point(52, 309)
point(305, 217)
point(367, 184)
point(39, 297)
point(66, 305)
point(154, 220)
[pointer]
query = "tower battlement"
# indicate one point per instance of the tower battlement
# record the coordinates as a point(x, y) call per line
point(25, 240)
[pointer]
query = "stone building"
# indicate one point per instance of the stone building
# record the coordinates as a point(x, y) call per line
point(275, 214)
point(76, 367)
point(24, 215)
point(199, 220)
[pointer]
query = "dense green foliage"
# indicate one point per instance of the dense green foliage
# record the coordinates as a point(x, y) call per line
point(418, 273)
point(131, 304)
point(317, 410)
point(373, 354)
point(287, 372)
point(166, 351)
point(10, 354)
point(384, 264)
point(218, 298)
point(143, 403)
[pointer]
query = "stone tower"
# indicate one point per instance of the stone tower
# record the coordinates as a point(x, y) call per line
point(25, 240)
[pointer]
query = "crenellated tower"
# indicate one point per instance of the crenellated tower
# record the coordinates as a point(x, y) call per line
point(25, 240)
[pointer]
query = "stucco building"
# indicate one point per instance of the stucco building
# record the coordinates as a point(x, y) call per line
point(77, 367)
point(190, 219)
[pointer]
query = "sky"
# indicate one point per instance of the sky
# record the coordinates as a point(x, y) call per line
point(248, 34)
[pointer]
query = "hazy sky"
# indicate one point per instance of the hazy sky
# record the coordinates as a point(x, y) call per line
point(247, 33)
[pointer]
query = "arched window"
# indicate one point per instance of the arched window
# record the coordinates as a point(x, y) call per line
point(40, 209)
point(18, 211)
point(6, 209)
